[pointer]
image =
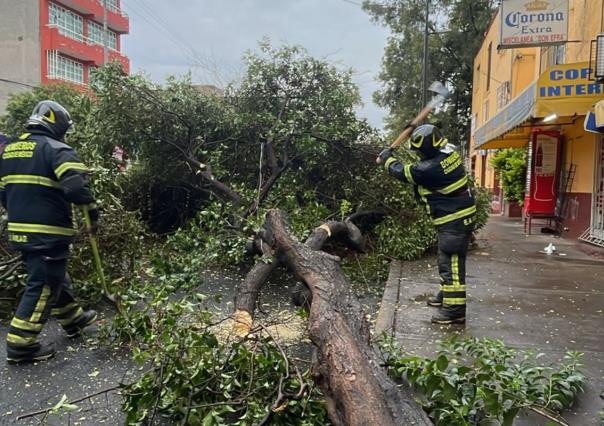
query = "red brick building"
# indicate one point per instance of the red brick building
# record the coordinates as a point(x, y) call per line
point(44, 41)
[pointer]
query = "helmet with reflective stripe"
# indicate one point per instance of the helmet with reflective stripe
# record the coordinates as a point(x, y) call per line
point(427, 140)
point(50, 117)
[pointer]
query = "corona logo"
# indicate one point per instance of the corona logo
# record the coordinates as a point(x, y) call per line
point(536, 6)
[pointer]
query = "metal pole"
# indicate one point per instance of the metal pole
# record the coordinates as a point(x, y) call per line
point(425, 63)
point(105, 52)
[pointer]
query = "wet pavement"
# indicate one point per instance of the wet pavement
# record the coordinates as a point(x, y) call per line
point(84, 366)
point(531, 300)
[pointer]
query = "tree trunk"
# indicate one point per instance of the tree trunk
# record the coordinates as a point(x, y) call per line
point(347, 368)
point(247, 294)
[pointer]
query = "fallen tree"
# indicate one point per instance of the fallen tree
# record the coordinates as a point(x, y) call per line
point(346, 367)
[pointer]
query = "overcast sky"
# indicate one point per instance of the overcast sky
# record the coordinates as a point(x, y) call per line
point(209, 37)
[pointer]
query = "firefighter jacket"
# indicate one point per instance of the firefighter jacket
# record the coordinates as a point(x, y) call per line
point(441, 184)
point(39, 178)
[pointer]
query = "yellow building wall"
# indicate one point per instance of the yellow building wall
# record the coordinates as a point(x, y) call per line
point(586, 18)
point(579, 148)
point(522, 66)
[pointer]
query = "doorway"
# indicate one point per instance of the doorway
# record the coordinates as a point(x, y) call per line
point(595, 234)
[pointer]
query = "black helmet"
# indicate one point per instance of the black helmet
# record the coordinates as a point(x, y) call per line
point(50, 117)
point(427, 140)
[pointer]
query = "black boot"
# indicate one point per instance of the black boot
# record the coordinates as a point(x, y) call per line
point(436, 301)
point(74, 329)
point(27, 355)
point(450, 315)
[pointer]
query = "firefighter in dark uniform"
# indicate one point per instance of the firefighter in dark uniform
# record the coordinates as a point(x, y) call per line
point(441, 183)
point(40, 176)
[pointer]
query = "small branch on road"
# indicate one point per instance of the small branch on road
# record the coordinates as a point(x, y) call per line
point(75, 401)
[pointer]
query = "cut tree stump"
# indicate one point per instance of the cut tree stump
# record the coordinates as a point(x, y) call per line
point(346, 367)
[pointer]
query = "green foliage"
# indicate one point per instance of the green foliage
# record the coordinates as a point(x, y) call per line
point(21, 104)
point(483, 205)
point(121, 236)
point(456, 30)
point(511, 165)
point(478, 380)
point(196, 375)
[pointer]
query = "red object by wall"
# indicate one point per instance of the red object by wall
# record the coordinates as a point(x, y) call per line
point(543, 173)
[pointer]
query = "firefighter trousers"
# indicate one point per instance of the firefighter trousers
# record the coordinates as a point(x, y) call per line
point(47, 292)
point(452, 250)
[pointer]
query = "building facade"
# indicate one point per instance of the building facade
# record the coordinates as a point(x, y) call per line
point(46, 41)
point(520, 92)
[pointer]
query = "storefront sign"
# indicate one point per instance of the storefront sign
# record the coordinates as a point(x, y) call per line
point(533, 23)
point(566, 90)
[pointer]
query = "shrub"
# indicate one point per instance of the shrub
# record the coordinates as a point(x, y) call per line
point(511, 165)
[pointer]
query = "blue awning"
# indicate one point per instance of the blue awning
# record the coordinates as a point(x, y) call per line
point(512, 115)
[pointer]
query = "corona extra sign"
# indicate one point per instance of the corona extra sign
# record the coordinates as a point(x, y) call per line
point(533, 23)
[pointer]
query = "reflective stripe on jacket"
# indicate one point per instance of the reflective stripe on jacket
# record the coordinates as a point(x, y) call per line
point(442, 184)
point(39, 178)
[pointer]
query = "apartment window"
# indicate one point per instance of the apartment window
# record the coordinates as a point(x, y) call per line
point(63, 68)
point(558, 54)
point(504, 93)
point(477, 86)
point(490, 55)
point(485, 115)
point(95, 35)
point(69, 24)
point(113, 6)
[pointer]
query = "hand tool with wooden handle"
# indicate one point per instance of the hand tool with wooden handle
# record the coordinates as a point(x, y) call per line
point(441, 94)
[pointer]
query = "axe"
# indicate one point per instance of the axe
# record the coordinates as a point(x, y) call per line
point(441, 94)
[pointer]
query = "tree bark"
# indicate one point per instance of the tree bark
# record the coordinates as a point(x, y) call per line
point(247, 294)
point(346, 368)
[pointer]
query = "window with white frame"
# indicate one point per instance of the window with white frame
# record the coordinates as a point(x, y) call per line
point(63, 68)
point(95, 35)
point(504, 94)
point(113, 6)
point(70, 24)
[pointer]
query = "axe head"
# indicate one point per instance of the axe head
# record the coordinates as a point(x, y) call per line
point(439, 88)
point(441, 93)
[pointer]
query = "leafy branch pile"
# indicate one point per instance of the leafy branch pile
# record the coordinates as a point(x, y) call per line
point(473, 381)
point(197, 373)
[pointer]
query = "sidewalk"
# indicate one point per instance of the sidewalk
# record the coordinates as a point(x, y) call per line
point(551, 304)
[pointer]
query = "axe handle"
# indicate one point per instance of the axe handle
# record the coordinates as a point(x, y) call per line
point(423, 114)
point(407, 131)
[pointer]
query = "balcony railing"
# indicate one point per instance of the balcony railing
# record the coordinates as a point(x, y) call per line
point(117, 19)
point(79, 37)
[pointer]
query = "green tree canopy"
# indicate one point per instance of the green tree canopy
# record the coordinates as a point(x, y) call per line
point(457, 28)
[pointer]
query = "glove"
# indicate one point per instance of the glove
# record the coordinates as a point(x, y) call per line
point(93, 214)
point(384, 155)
